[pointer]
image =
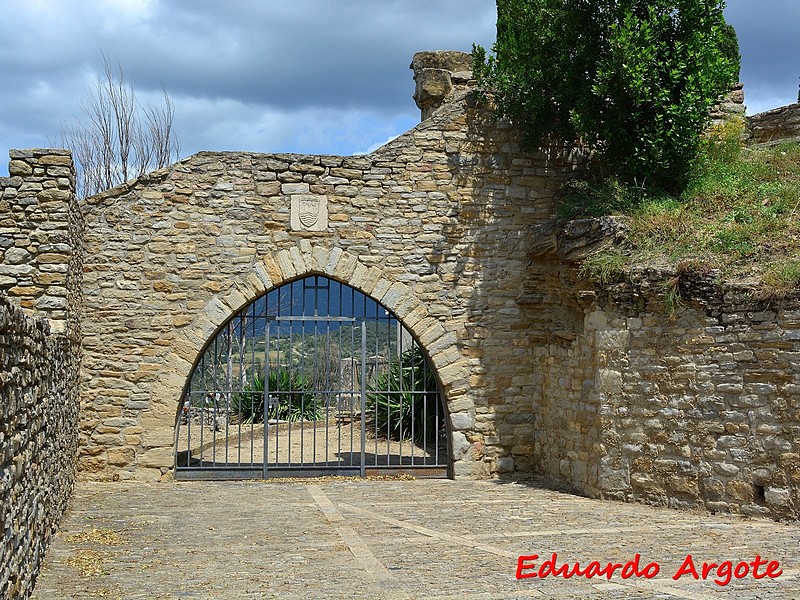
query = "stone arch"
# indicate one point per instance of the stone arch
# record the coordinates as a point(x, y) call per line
point(271, 272)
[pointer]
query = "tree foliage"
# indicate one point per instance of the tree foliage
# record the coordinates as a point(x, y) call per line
point(117, 138)
point(631, 79)
point(729, 46)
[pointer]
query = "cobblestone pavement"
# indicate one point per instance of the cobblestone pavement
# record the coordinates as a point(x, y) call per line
point(391, 539)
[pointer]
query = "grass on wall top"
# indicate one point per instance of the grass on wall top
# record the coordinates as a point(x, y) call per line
point(738, 216)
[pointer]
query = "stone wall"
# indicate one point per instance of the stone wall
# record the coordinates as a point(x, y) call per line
point(777, 125)
point(40, 301)
point(730, 107)
point(433, 225)
point(40, 235)
point(38, 440)
point(696, 408)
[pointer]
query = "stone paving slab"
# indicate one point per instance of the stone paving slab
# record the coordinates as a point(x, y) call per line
point(390, 539)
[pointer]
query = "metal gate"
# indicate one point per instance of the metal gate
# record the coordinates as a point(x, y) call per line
point(313, 378)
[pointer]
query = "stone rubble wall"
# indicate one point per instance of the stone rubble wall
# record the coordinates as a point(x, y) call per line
point(38, 441)
point(40, 303)
point(595, 388)
point(40, 233)
point(730, 107)
point(775, 126)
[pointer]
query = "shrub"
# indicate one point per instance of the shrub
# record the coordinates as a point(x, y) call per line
point(631, 79)
point(402, 403)
point(296, 400)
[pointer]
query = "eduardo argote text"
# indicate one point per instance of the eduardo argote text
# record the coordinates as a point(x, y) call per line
point(721, 573)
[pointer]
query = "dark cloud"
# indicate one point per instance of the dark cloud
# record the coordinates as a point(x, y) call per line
point(307, 75)
point(770, 48)
point(310, 75)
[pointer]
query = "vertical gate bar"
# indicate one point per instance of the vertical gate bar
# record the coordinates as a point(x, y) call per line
point(375, 375)
point(351, 424)
point(177, 437)
point(189, 431)
point(290, 360)
point(327, 436)
point(425, 409)
point(226, 389)
point(388, 395)
point(353, 358)
point(265, 399)
point(338, 419)
point(436, 425)
point(402, 385)
point(401, 331)
point(278, 366)
point(241, 320)
point(304, 374)
point(435, 455)
point(178, 432)
point(363, 396)
point(244, 386)
point(437, 431)
point(251, 398)
point(328, 360)
point(306, 362)
point(203, 399)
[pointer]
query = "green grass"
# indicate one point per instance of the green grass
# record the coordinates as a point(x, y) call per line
point(738, 216)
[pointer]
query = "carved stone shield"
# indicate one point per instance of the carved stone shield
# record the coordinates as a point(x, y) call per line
point(309, 211)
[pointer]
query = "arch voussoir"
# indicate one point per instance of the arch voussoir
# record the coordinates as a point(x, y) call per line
point(270, 272)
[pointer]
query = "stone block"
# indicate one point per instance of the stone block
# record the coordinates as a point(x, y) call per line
point(309, 212)
point(156, 458)
point(459, 445)
point(121, 456)
point(505, 464)
point(778, 497)
point(158, 435)
point(462, 421)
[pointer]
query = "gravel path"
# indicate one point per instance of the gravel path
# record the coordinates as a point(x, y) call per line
point(392, 539)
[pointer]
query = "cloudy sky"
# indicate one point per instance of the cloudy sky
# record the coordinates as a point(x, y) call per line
point(314, 76)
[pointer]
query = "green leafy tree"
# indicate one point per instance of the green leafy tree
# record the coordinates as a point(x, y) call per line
point(633, 80)
point(729, 46)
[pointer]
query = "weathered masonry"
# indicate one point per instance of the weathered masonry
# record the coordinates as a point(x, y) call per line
point(432, 226)
point(448, 228)
point(40, 229)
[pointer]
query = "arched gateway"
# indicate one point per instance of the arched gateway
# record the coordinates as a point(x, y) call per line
point(313, 377)
point(179, 268)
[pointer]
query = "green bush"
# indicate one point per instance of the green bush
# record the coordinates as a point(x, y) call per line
point(403, 402)
point(632, 80)
point(296, 400)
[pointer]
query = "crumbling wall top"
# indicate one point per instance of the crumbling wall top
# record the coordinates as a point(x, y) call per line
point(438, 75)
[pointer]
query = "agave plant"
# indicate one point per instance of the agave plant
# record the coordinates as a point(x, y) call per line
point(292, 392)
point(402, 403)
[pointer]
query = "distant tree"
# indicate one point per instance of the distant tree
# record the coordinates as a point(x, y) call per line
point(729, 46)
point(117, 139)
point(632, 79)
